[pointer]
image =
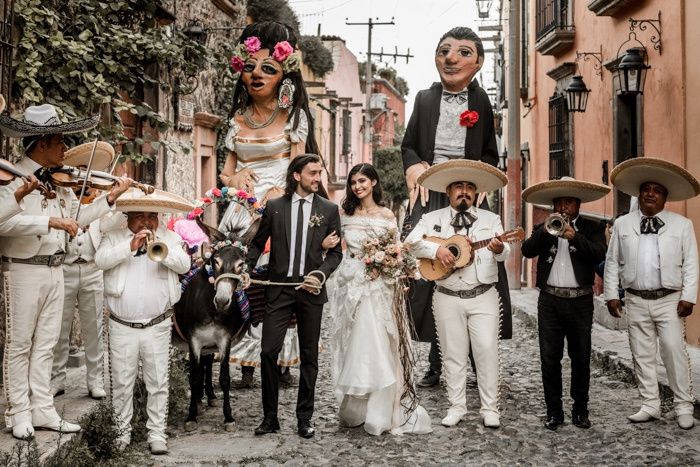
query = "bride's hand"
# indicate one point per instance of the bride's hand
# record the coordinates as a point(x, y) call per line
point(244, 179)
point(330, 241)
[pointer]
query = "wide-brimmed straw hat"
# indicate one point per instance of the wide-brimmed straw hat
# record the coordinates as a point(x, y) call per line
point(629, 175)
point(43, 120)
point(565, 187)
point(484, 176)
point(2, 103)
point(135, 200)
point(79, 156)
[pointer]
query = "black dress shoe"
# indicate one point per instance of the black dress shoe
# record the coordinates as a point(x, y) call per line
point(267, 426)
point(430, 379)
point(553, 422)
point(305, 429)
point(580, 420)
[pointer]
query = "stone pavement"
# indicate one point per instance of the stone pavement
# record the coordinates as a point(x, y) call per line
point(609, 340)
point(522, 439)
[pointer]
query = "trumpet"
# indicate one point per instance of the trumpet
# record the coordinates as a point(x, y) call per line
point(556, 224)
point(156, 250)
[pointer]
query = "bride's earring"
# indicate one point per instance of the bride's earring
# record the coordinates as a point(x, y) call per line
point(285, 99)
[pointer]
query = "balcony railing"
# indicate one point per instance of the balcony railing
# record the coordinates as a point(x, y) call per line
point(554, 32)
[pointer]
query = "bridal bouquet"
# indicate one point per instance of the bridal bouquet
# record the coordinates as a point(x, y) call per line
point(384, 256)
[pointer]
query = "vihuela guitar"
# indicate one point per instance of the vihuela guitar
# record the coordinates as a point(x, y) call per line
point(463, 249)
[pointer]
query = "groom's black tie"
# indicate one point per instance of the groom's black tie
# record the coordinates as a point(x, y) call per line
point(299, 241)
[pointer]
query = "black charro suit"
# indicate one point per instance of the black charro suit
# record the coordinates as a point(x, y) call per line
point(283, 301)
point(570, 318)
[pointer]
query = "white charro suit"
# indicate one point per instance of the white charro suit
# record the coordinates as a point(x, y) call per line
point(151, 344)
point(8, 205)
point(461, 321)
point(83, 286)
point(34, 297)
point(649, 319)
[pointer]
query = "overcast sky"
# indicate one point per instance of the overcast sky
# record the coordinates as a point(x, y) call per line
point(419, 26)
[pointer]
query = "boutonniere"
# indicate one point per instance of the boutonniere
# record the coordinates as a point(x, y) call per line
point(315, 220)
point(468, 118)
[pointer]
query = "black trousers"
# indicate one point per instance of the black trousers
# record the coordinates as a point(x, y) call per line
point(570, 319)
point(275, 323)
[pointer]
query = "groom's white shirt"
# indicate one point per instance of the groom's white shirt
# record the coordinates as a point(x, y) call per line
point(293, 237)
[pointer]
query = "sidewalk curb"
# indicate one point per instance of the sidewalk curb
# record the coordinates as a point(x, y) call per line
point(607, 346)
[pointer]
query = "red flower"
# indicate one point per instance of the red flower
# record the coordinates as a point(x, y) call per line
point(216, 192)
point(468, 118)
point(207, 200)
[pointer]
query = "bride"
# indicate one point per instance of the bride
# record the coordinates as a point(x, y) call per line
point(372, 356)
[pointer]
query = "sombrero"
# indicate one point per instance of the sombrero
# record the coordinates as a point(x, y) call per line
point(79, 156)
point(545, 192)
point(629, 175)
point(2, 103)
point(43, 120)
point(134, 200)
point(486, 177)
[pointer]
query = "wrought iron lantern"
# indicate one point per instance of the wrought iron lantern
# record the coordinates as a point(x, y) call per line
point(577, 94)
point(631, 72)
point(483, 7)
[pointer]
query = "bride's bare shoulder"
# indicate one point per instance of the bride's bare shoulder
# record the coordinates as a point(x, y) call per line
point(386, 213)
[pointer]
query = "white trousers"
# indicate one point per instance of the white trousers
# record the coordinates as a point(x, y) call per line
point(82, 285)
point(460, 322)
point(647, 321)
point(150, 346)
point(33, 305)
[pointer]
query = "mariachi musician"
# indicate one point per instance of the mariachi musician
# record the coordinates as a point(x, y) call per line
point(140, 291)
point(465, 303)
point(83, 284)
point(33, 246)
point(568, 247)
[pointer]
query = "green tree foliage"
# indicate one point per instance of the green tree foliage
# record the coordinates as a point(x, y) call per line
point(388, 163)
point(318, 58)
point(82, 54)
point(398, 82)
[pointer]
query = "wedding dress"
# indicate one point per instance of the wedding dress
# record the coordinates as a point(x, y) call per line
point(367, 370)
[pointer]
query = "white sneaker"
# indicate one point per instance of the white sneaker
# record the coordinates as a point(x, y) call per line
point(23, 430)
point(686, 421)
point(97, 393)
point(452, 418)
point(491, 420)
point(641, 417)
point(60, 425)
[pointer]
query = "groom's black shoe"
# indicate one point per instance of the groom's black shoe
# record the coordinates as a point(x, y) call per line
point(305, 429)
point(268, 426)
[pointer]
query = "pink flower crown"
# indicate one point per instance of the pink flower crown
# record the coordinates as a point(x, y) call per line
point(225, 194)
point(283, 52)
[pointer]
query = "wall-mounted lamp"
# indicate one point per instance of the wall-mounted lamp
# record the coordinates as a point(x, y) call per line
point(483, 7)
point(642, 25)
point(577, 91)
point(196, 31)
point(631, 72)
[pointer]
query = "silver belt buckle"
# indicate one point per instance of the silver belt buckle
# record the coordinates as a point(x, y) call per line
point(137, 325)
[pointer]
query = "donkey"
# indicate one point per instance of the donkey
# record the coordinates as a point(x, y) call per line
point(208, 315)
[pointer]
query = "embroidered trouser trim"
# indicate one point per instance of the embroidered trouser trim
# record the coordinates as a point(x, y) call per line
point(461, 322)
point(83, 285)
point(649, 320)
point(150, 346)
point(33, 306)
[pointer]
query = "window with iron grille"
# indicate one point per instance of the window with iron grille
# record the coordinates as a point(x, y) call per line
point(559, 138)
point(551, 15)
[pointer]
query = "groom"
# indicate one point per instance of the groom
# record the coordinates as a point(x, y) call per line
point(297, 223)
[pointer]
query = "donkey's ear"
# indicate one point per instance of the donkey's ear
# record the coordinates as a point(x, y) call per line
point(249, 234)
point(211, 232)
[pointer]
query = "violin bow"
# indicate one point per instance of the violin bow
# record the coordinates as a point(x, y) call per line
point(87, 175)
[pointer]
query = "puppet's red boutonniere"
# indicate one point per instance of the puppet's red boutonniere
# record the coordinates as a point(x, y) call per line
point(468, 118)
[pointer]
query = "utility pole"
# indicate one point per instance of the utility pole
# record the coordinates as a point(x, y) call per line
point(514, 204)
point(368, 73)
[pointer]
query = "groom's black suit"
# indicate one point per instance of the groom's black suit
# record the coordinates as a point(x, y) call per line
point(283, 301)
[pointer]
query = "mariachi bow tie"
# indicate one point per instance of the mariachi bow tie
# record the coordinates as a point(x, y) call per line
point(459, 97)
point(462, 220)
point(650, 225)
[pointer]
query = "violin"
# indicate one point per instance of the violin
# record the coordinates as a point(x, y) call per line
point(9, 172)
point(72, 177)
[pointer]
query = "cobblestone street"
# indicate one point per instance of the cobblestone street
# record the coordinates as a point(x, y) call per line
point(521, 440)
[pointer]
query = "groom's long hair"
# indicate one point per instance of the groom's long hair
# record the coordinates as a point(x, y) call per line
point(296, 166)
